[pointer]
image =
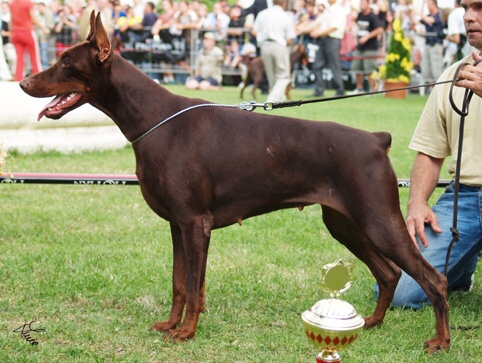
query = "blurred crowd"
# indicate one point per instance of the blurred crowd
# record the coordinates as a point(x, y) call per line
point(435, 29)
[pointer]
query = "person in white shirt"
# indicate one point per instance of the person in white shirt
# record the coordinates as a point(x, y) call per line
point(458, 46)
point(274, 32)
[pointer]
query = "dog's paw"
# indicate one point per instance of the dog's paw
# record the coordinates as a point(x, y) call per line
point(372, 322)
point(436, 344)
point(163, 326)
point(179, 335)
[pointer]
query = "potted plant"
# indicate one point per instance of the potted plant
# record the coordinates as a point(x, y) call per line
point(396, 70)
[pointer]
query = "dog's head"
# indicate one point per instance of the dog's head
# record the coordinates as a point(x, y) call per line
point(75, 77)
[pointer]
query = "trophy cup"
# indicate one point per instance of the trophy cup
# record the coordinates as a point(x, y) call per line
point(332, 324)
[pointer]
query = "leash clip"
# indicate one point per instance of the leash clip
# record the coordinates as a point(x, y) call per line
point(249, 106)
point(268, 106)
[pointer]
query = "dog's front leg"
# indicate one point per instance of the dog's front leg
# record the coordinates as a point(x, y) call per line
point(195, 244)
point(178, 284)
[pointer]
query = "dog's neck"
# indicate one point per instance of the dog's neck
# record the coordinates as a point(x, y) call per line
point(133, 100)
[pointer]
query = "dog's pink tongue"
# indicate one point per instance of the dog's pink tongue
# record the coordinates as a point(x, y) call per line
point(54, 102)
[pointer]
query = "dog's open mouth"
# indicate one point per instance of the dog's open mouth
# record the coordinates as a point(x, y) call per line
point(60, 105)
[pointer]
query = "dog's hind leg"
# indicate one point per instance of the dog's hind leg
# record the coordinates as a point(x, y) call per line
point(409, 259)
point(385, 272)
point(388, 240)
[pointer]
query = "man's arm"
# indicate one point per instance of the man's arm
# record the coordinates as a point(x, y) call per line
point(424, 178)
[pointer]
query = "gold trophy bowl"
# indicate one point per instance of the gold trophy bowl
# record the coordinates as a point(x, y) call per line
point(332, 325)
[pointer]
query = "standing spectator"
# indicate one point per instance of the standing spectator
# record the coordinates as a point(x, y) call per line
point(225, 6)
point(274, 38)
point(306, 22)
point(256, 7)
point(8, 48)
point(382, 7)
point(149, 19)
point(138, 8)
point(185, 20)
point(150, 15)
point(251, 12)
point(235, 39)
point(5, 74)
point(164, 22)
point(46, 17)
point(77, 7)
point(405, 11)
point(66, 31)
point(129, 26)
point(298, 9)
point(23, 19)
point(348, 43)
point(163, 29)
point(202, 14)
point(218, 21)
point(366, 52)
point(432, 58)
point(208, 69)
point(457, 47)
point(328, 36)
point(106, 14)
point(194, 5)
point(118, 11)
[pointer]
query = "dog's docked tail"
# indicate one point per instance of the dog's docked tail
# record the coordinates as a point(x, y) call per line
point(385, 140)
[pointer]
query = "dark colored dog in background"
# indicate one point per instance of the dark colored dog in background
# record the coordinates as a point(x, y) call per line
point(255, 70)
point(210, 167)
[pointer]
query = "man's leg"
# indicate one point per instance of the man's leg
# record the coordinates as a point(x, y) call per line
point(268, 55)
point(282, 74)
point(463, 258)
point(318, 65)
point(333, 56)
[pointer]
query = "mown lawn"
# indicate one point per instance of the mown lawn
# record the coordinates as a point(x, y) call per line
point(92, 266)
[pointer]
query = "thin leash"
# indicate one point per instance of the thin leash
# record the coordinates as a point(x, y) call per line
point(269, 106)
point(462, 113)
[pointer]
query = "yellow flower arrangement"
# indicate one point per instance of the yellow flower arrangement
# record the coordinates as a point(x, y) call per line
point(398, 64)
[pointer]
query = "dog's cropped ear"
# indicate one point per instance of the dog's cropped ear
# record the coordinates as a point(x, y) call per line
point(98, 37)
point(92, 26)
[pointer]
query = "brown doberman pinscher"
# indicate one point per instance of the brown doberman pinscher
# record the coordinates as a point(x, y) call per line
point(210, 167)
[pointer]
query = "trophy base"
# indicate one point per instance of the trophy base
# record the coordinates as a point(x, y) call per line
point(328, 357)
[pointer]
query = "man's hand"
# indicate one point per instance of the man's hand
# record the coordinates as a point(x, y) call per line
point(424, 178)
point(470, 76)
point(420, 214)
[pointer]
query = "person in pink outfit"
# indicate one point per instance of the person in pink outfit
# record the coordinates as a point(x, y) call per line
point(23, 35)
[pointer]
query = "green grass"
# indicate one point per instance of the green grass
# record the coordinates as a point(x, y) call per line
point(92, 266)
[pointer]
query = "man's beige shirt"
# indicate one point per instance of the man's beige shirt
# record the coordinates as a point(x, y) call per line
point(437, 132)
